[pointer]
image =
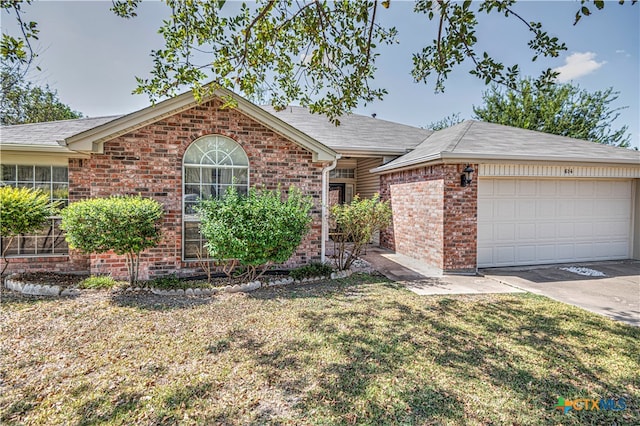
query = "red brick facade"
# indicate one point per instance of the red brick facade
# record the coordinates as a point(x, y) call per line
point(434, 218)
point(148, 162)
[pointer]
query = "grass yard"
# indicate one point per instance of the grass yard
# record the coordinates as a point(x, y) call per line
point(356, 351)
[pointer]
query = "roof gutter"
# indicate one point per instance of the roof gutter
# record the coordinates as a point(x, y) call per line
point(450, 157)
point(48, 149)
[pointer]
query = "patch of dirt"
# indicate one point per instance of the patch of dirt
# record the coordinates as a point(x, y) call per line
point(50, 278)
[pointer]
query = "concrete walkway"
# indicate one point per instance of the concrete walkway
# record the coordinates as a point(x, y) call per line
point(421, 279)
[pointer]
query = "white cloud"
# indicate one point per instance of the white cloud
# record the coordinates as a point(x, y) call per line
point(578, 65)
point(620, 51)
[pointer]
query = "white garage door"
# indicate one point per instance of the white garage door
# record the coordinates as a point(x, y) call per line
point(537, 221)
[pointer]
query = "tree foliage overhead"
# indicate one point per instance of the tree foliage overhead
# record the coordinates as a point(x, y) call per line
point(561, 109)
point(23, 102)
point(443, 123)
point(320, 53)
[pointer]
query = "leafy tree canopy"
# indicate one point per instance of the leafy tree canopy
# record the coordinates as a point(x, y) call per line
point(448, 121)
point(22, 102)
point(319, 53)
point(562, 109)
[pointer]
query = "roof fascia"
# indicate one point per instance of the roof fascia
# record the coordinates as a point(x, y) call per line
point(453, 158)
point(42, 149)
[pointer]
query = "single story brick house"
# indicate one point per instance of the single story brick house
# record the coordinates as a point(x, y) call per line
point(473, 195)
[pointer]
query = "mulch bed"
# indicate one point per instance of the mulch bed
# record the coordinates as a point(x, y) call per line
point(50, 278)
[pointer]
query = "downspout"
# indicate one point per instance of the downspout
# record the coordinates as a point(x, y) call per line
point(325, 206)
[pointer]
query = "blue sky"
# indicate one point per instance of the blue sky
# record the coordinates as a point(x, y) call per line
point(91, 57)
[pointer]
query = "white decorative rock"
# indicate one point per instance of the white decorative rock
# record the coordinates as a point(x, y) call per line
point(197, 292)
point(188, 292)
point(69, 292)
point(252, 286)
point(137, 289)
point(54, 290)
point(172, 292)
point(180, 292)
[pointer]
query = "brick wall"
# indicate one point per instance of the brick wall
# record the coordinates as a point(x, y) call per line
point(434, 218)
point(72, 263)
point(148, 162)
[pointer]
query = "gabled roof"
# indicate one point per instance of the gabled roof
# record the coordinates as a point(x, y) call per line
point(475, 141)
point(356, 134)
point(48, 136)
point(91, 140)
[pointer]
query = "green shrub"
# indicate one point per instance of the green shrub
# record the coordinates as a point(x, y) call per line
point(257, 230)
point(125, 225)
point(312, 270)
point(99, 282)
point(22, 211)
point(355, 224)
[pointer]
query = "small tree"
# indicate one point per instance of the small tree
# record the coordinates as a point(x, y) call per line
point(257, 230)
point(22, 211)
point(356, 222)
point(125, 225)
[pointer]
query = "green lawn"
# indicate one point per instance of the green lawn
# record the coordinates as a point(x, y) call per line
point(356, 351)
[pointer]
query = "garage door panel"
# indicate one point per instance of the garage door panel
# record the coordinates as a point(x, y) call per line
point(525, 253)
point(533, 221)
point(567, 187)
point(545, 253)
point(526, 231)
point(506, 255)
point(526, 209)
point(505, 209)
point(527, 187)
point(585, 188)
point(505, 232)
point(505, 187)
point(546, 231)
point(564, 252)
point(546, 208)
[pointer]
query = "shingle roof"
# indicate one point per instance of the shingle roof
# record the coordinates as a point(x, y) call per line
point(49, 133)
point(480, 140)
point(356, 133)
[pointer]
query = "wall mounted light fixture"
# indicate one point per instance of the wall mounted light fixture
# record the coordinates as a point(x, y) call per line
point(465, 178)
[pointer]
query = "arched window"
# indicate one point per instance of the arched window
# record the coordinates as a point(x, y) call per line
point(211, 165)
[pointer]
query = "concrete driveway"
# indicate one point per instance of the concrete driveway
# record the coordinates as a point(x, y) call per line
point(607, 288)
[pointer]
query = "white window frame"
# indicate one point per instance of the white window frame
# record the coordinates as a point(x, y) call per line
point(219, 165)
point(52, 221)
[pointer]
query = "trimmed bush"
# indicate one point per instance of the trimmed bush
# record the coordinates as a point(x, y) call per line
point(126, 225)
point(22, 211)
point(355, 224)
point(257, 230)
point(311, 270)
